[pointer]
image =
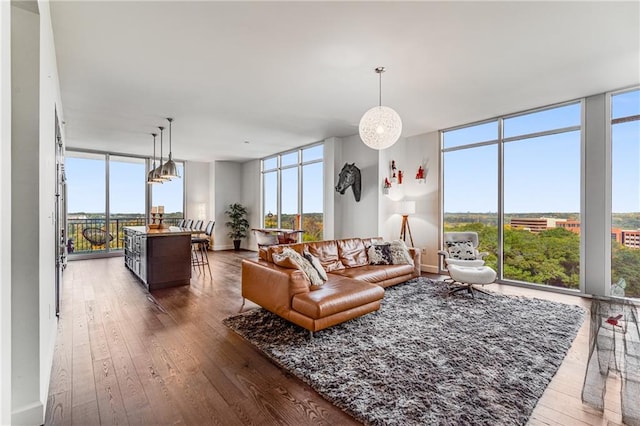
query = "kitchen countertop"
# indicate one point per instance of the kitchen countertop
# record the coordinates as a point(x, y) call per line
point(165, 232)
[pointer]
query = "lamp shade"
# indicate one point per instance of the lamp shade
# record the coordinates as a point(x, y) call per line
point(407, 207)
point(169, 170)
point(380, 127)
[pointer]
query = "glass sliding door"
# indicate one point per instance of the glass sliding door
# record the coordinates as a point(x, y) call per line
point(625, 194)
point(106, 192)
point(86, 202)
point(127, 195)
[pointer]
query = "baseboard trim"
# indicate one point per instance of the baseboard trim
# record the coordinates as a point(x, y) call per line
point(432, 269)
point(31, 414)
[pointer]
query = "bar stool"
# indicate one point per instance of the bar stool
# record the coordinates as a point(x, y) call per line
point(199, 248)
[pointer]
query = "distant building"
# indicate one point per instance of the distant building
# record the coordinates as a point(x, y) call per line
point(631, 239)
point(534, 225)
point(570, 225)
point(626, 237)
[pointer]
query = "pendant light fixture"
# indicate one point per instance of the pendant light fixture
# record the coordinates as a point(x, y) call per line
point(169, 170)
point(381, 126)
point(152, 177)
point(159, 170)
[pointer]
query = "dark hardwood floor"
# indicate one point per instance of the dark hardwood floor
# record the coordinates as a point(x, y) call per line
point(124, 356)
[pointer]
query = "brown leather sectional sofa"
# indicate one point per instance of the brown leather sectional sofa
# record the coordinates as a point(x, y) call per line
point(354, 287)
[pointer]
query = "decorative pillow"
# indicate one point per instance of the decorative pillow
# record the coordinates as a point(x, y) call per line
point(462, 250)
point(400, 253)
point(379, 254)
point(315, 262)
point(289, 258)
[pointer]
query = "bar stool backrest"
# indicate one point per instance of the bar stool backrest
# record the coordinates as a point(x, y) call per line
point(209, 229)
point(188, 224)
point(198, 225)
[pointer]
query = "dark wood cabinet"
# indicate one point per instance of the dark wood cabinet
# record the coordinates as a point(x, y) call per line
point(160, 258)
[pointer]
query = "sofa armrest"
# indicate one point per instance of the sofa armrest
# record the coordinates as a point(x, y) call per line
point(416, 256)
point(272, 286)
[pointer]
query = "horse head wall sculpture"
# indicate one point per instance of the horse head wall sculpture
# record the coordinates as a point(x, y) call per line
point(350, 177)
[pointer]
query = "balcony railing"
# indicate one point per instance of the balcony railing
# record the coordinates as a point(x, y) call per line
point(81, 231)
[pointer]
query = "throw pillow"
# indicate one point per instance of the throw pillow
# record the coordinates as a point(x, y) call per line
point(462, 250)
point(400, 253)
point(317, 265)
point(379, 254)
point(290, 258)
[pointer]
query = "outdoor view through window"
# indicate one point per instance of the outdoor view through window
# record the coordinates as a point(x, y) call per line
point(540, 207)
point(625, 194)
point(292, 191)
point(96, 216)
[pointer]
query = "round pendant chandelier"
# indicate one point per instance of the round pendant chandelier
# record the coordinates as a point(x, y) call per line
point(381, 126)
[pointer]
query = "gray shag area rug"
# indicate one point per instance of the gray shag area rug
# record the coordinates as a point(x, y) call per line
point(425, 358)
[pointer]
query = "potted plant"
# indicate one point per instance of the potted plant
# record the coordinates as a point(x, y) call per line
point(238, 223)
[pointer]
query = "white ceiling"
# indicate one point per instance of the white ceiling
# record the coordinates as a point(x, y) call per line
point(285, 74)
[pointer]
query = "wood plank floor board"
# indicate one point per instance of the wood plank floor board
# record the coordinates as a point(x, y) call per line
point(125, 356)
point(110, 404)
point(59, 408)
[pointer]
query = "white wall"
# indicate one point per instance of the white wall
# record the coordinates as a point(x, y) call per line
point(228, 187)
point(251, 193)
point(5, 212)
point(50, 100)
point(357, 219)
point(409, 154)
point(197, 191)
point(331, 145)
point(35, 89)
point(25, 357)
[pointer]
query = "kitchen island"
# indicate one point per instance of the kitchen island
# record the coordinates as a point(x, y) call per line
point(160, 258)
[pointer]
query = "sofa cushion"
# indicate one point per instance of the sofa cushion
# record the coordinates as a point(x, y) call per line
point(462, 250)
point(289, 258)
point(336, 295)
point(316, 264)
point(369, 273)
point(379, 254)
point(327, 252)
point(375, 273)
point(352, 252)
point(400, 253)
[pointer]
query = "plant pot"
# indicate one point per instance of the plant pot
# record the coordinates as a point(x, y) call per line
point(236, 244)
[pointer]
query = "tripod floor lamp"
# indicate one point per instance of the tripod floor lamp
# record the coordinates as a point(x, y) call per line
point(406, 208)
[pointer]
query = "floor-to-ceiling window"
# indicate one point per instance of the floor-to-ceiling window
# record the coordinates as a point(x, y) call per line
point(86, 201)
point(292, 191)
point(126, 196)
point(471, 159)
point(106, 192)
point(625, 194)
point(516, 181)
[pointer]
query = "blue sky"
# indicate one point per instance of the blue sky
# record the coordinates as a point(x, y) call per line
point(86, 186)
point(541, 175)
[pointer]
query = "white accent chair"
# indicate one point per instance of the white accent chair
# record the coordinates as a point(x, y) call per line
point(461, 248)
